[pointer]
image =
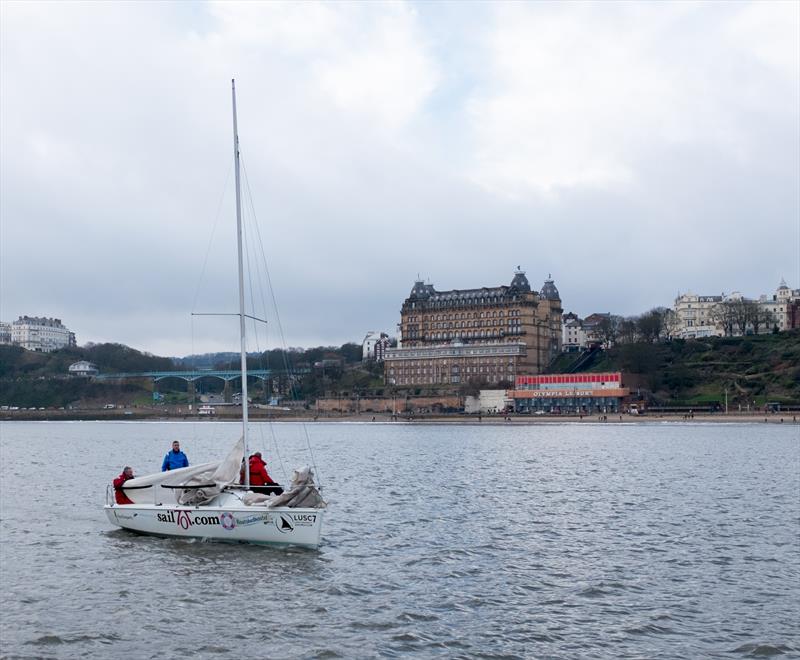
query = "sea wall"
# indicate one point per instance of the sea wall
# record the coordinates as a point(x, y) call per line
point(399, 405)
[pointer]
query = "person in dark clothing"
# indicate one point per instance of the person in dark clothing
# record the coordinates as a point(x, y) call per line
point(175, 458)
point(260, 481)
point(119, 494)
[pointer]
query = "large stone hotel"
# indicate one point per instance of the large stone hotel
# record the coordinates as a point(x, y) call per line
point(491, 334)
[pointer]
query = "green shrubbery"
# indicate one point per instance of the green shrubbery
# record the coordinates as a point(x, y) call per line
point(753, 367)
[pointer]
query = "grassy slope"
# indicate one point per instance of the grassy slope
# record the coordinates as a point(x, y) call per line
point(754, 369)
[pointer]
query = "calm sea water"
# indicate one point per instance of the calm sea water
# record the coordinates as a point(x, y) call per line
point(558, 541)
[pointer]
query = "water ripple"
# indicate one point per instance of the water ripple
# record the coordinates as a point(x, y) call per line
point(640, 541)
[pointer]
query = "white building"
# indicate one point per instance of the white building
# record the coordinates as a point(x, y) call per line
point(779, 304)
point(488, 402)
point(694, 315)
point(374, 346)
point(41, 334)
point(83, 368)
point(5, 333)
point(573, 336)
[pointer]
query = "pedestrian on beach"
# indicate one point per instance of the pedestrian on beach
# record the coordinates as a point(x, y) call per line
point(119, 494)
point(175, 458)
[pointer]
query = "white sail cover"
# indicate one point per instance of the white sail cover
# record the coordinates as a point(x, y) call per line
point(302, 493)
point(138, 494)
point(213, 480)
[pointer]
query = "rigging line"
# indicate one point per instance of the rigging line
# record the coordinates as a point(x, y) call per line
point(250, 261)
point(269, 282)
point(247, 260)
point(255, 265)
point(254, 220)
point(278, 453)
point(252, 264)
point(194, 389)
point(289, 374)
point(287, 366)
point(248, 316)
point(245, 229)
point(256, 261)
point(211, 239)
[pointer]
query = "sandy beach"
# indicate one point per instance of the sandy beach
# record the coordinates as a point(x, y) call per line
point(178, 414)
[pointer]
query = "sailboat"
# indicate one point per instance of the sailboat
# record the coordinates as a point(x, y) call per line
point(207, 501)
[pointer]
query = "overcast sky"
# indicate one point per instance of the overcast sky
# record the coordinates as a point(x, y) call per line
point(634, 151)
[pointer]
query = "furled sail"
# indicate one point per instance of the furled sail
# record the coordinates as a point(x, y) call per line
point(212, 481)
point(148, 490)
point(302, 493)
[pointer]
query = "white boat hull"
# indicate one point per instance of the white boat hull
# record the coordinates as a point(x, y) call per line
point(242, 524)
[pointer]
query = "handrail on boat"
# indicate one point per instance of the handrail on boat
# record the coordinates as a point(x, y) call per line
point(190, 487)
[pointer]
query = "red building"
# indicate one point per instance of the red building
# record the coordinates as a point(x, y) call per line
point(569, 393)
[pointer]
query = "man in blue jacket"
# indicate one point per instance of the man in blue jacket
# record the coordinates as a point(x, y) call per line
point(175, 459)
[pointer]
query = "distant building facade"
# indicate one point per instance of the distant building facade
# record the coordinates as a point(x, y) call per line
point(374, 346)
point(793, 315)
point(83, 368)
point(488, 402)
point(591, 327)
point(454, 363)
point(41, 334)
point(696, 316)
point(451, 336)
point(583, 393)
point(5, 333)
point(573, 336)
point(781, 304)
point(579, 334)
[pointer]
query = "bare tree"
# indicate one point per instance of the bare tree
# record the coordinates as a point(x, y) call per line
point(627, 330)
point(762, 318)
point(724, 314)
point(671, 322)
point(608, 330)
point(651, 324)
point(743, 312)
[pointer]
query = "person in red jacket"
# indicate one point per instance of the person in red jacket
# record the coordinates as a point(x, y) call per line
point(119, 494)
point(260, 481)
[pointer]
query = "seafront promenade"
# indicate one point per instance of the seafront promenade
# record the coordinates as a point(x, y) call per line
point(233, 415)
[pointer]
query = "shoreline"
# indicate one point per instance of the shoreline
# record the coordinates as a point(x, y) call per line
point(791, 418)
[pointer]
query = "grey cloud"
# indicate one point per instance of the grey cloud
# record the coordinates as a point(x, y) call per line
point(113, 171)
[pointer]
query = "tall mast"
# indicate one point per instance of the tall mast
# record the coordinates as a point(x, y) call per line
point(241, 289)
